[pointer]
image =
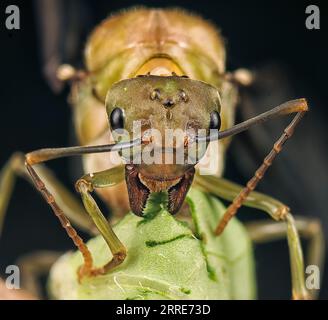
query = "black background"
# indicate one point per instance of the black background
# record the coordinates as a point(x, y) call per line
point(257, 32)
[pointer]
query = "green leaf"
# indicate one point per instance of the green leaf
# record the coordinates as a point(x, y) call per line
point(167, 259)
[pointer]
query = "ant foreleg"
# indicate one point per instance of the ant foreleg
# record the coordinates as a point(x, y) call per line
point(114, 175)
point(85, 186)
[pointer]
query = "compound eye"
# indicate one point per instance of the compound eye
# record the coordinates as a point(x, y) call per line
point(116, 119)
point(215, 120)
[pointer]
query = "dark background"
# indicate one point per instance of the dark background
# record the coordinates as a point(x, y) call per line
point(269, 37)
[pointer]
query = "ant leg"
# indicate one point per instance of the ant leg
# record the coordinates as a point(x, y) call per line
point(34, 265)
point(43, 155)
point(47, 195)
point(15, 168)
point(278, 211)
point(85, 186)
point(308, 228)
point(296, 255)
point(7, 179)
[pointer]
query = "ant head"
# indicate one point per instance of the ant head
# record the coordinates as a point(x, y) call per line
point(163, 102)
